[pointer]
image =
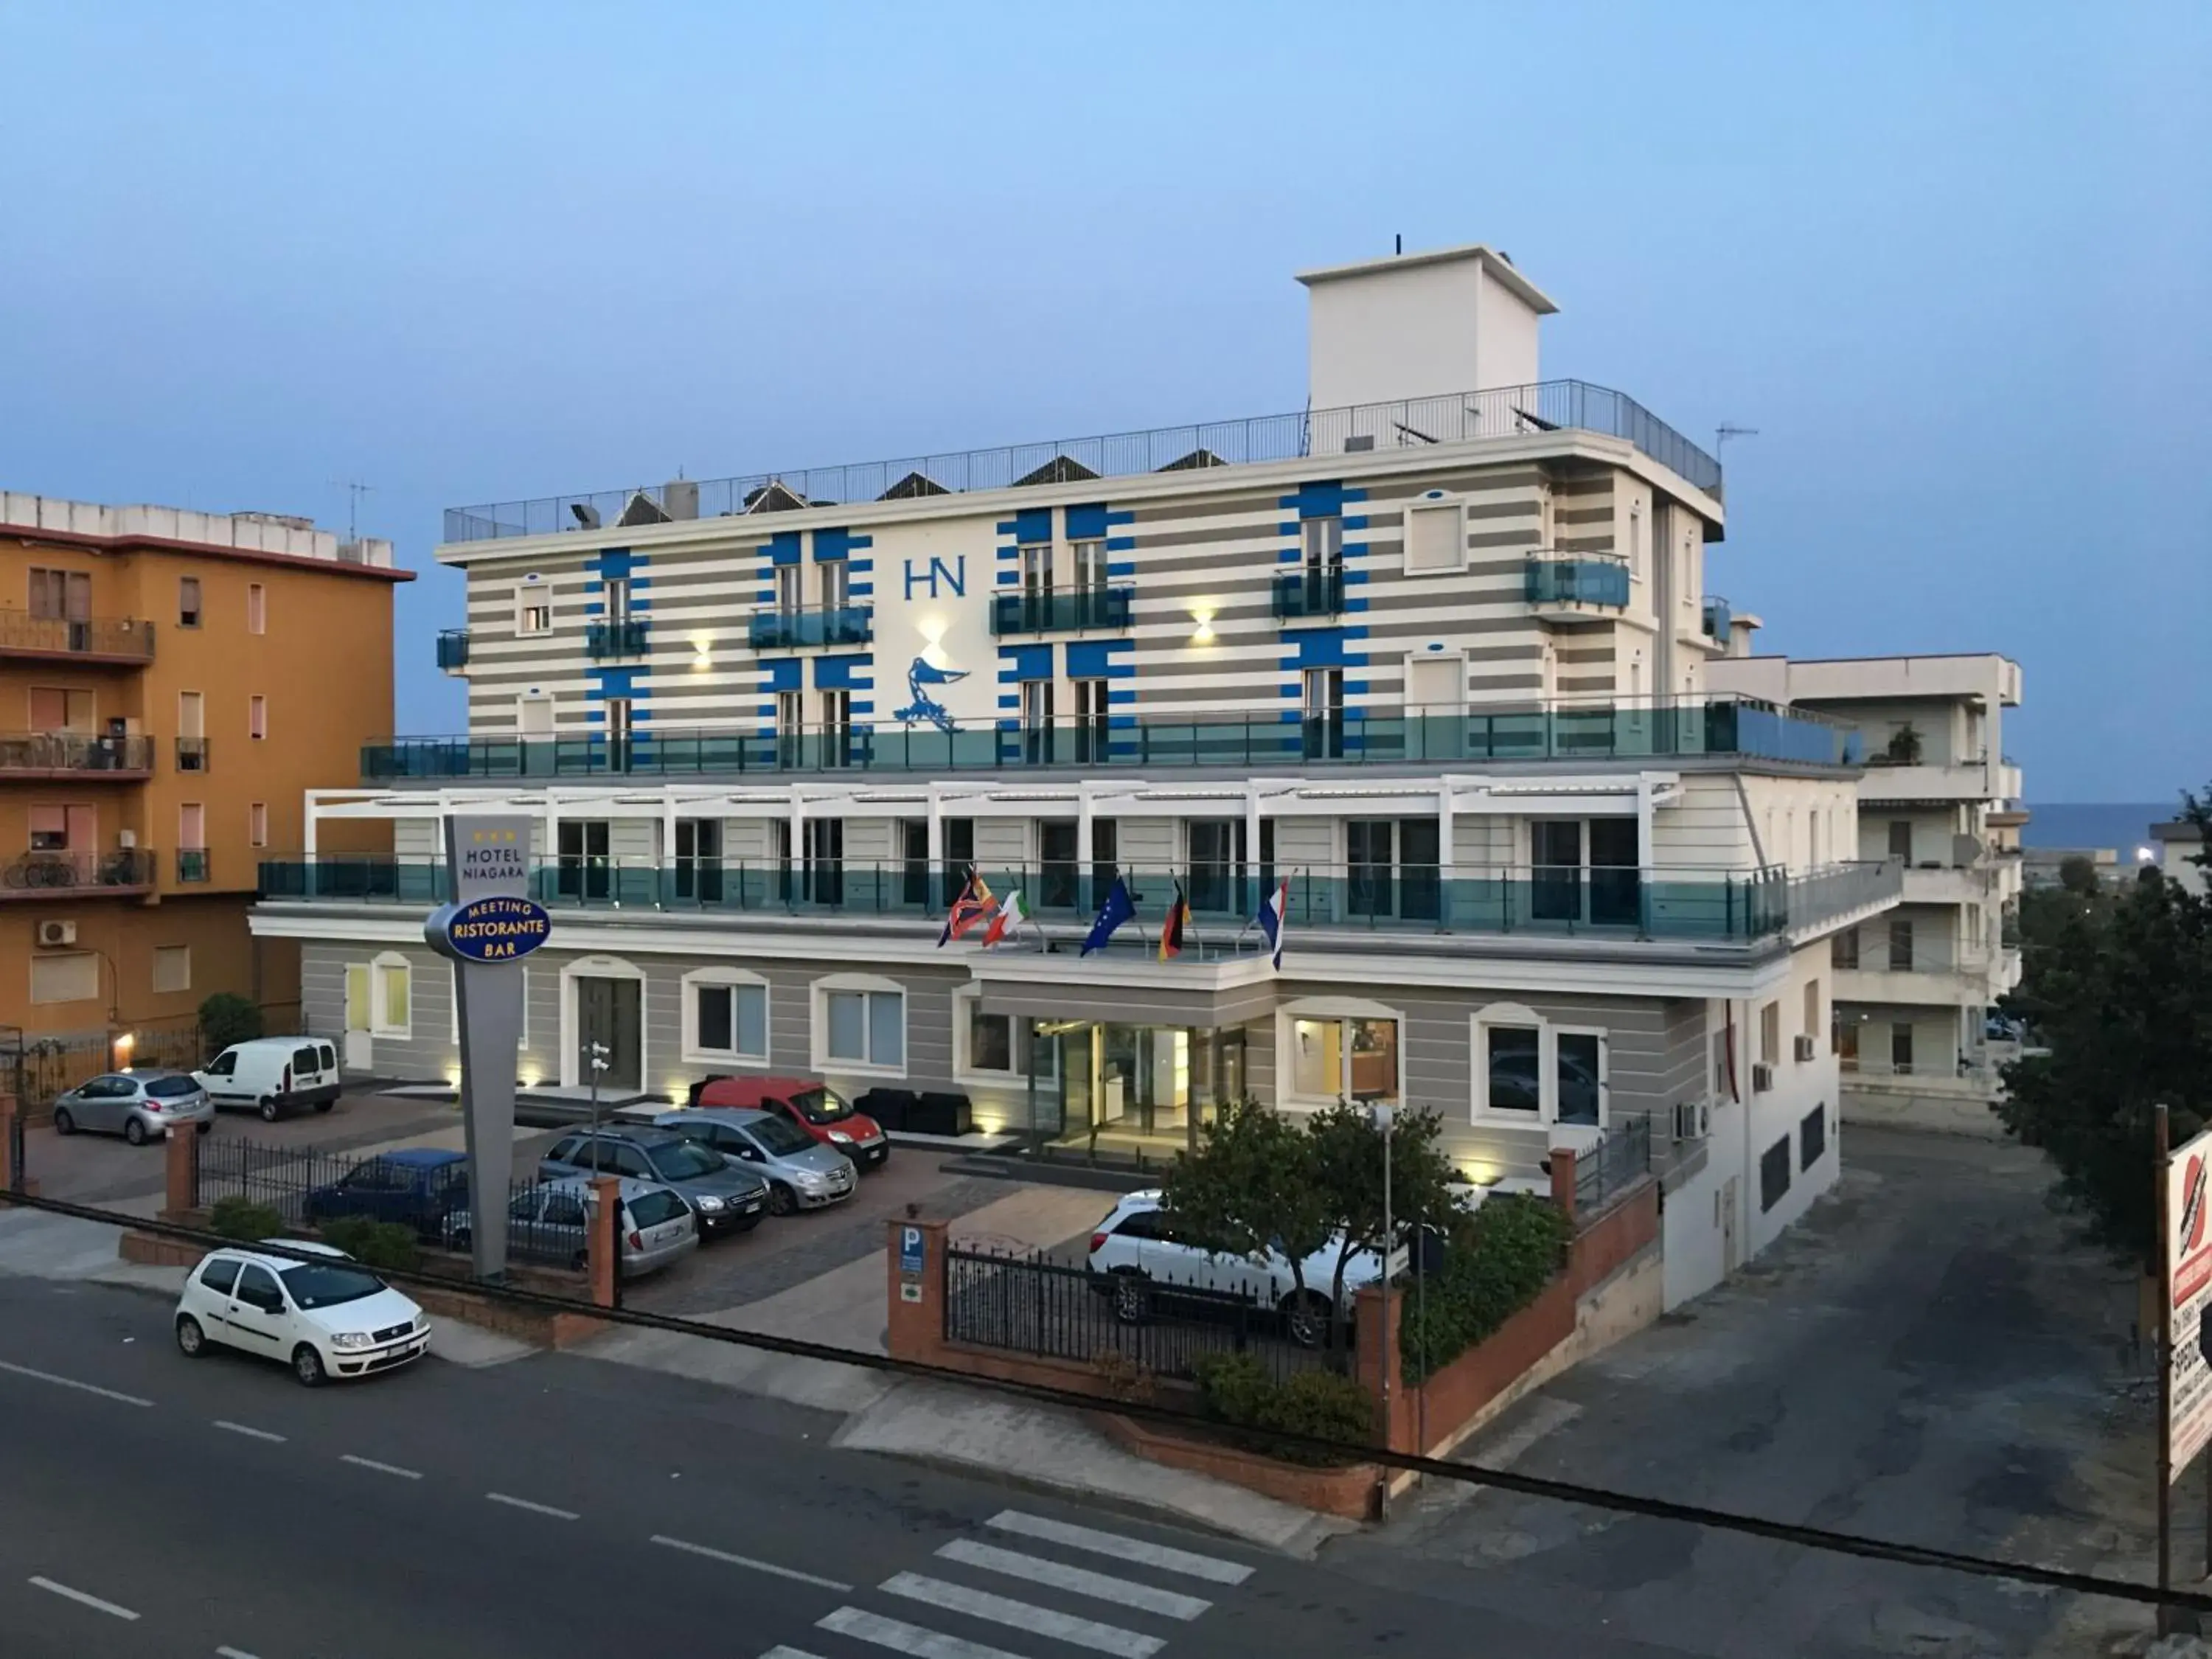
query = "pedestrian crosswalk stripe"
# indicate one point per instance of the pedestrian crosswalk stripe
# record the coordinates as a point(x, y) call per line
point(1174, 1604)
point(1022, 1615)
point(780, 1651)
point(1186, 1562)
point(905, 1639)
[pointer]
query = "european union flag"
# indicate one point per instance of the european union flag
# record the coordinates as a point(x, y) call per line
point(1117, 910)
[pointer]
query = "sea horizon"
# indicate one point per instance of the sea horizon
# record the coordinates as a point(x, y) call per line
point(2117, 824)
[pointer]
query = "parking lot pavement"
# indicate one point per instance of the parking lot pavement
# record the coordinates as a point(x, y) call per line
point(785, 1251)
point(86, 1168)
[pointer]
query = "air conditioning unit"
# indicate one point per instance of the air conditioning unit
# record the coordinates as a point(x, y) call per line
point(1807, 1047)
point(1762, 1079)
point(126, 839)
point(1693, 1119)
point(56, 932)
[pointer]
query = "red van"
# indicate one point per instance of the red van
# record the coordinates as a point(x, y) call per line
point(822, 1113)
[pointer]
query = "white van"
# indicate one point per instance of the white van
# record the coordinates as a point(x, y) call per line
point(274, 1075)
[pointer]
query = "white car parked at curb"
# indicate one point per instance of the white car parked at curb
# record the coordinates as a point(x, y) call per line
point(325, 1318)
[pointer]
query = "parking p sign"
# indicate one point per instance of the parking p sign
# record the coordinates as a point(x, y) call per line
point(910, 1252)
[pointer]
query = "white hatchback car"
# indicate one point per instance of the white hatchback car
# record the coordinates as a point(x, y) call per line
point(326, 1318)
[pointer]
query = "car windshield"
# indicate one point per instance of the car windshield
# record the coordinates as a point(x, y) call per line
point(168, 1086)
point(780, 1136)
point(684, 1162)
point(321, 1286)
point(823, 1106)
point(651, 1209)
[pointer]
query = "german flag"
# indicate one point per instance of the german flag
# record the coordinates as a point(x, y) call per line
point(1171, 930)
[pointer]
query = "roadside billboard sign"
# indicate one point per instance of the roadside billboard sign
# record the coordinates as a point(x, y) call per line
point(2188, 1287)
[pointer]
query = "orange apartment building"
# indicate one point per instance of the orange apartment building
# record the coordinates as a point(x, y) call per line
point(170, 683)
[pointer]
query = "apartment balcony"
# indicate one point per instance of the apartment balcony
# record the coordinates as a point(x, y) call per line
point(603, 640)
point(1972, 978)
point(110, 641)
point(192, 755)
point(26, 756)
point(453, 650)
point(1571, 585)
point(1971, 778)
point(1653, 728)
point(1717, 617)
point(1084, 610)
point(194, 868)
point(1306, 592)
point(1950, 884)
point(123, 873)
point(816, 625)
point(1693, 905)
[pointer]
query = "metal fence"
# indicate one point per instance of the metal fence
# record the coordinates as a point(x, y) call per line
point(37, 1068)
point(1449, 418)
point(1618, 1162)
point(1030, 1304)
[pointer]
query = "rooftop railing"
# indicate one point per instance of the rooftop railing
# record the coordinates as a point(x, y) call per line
point(1654, 902)
point(1500, 412)
point(1652, 727)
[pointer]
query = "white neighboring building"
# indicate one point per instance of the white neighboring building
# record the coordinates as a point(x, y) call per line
point(2179, 846)
point(1913, 987)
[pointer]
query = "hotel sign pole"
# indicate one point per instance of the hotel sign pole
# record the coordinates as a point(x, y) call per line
point(490, 925)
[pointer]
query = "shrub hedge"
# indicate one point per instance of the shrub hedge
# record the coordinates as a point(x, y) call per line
point(1236, 1388)
point(242, 1218)
point(1497, 1262)
point(374, 1243)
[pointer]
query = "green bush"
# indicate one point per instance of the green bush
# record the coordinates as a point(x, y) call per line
point(227, 1018)
point(242, 1218)
point(1235, 1388)
point(1497, 1262)
point(374, 1243)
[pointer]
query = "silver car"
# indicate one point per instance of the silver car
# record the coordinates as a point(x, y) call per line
point(802, 1173)
point(141, 1105)
point(548, 1222)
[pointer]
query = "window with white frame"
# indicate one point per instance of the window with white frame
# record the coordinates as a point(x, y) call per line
point(522, 1034)
point(391, 996)
point(725, 1016)
point(533, 608)
point(1530, 1070)
point(172, 968)
point(860, 1025)
point(1339, 1053)
point(1436, 537)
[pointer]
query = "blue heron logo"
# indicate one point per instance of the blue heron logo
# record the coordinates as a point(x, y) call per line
point(920, 677)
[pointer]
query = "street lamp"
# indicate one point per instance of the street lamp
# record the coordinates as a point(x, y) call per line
point(595, 1062)
point(1382, 1116)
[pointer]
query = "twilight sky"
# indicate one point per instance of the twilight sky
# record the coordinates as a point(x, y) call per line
point(1950, 261)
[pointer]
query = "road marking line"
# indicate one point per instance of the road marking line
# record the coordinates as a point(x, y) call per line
point(232, 1653)
point(381, 1469)
point(1191, 1565)
point(1022, 1615)
point(768, 1567)
point(906, 1638)
point(250, 1433)
point(83, 1600)
point(71, 1382)
point(1082, 1581)
point(780, 1651)
point(535, 1509)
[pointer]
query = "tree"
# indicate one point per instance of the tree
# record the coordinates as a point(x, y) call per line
point(1348, 1154)
point(227, 1018)
point(1904, 745)
point(1251, 1186)
point(2076, 874)
point(2118, 987)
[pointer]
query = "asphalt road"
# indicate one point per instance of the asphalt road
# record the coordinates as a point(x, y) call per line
point(150, 1505)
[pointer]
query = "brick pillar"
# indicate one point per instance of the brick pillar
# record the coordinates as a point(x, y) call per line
point(915, 1329)
point(181, 1191)
point(605, 1246)
point(1563, 1180)
point(13, 1178)
point(1378, 1355)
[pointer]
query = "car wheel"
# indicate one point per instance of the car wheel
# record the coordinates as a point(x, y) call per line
point(1306, 1318)
point(308, 1366)
point(268, 1111)
point(191, 1341)
point(206, 1124)
point(325, 1105)
point(1132, 1300)
point(133, 1131)
point(63, 1123)
point(781, 1201)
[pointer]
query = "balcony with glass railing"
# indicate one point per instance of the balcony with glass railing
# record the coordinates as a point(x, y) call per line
point(1647, 902)
point(1082, 609)
point(792, 629)
point(1561, 730)
point(603, 640)
point(1308, 591)
point(1575, 581)
point(1717, 618)
point(453, 650)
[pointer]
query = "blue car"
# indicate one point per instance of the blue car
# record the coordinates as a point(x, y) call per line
point(415, 1187)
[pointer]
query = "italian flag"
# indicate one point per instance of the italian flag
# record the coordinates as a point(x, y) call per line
point(1013, 913)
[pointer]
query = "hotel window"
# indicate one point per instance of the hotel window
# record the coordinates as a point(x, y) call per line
point(257, 824)
point(1578, 1078)
point(790, 589)
point(699, 859)
point(1002, 1044)
point(1324, 713)
point(790, 716)
point(257, 717)
point(392, 993)
point(1036, 569)
point(1090, 565)
point(822, 877)
point(582, 867)
point(1036, 722)
point(1350, 1058)
point(533, 610)
point(1091, 721)
point(726, 1016)
point(1512, 1068)
point(1391, 868)
point(256, 608)
point(836, 584)
point(837, 727)
point(188, 601)
point(1324, 546)
point(1531, 1072)
point(863, 1026)
point(616, 594)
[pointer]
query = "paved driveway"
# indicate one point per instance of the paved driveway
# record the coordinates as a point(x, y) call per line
point(1930, 1358)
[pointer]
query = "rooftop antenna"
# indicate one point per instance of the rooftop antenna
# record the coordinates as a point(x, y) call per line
point(354, 490)
point(1724, 431)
